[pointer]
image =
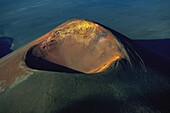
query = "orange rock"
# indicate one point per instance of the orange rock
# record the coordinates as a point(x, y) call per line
point(81, 45)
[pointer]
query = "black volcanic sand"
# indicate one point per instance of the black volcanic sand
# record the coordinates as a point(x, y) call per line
point(119, 89)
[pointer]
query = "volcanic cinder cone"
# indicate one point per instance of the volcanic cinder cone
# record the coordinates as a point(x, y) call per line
point(81, 45)
point(77, 44)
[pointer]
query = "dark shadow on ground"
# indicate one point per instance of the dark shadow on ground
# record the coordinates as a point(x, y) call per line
point(156, 53)
point(5, 46)
point(104, 104)
point(97, 104)
point(160, 100)
point(159, 46)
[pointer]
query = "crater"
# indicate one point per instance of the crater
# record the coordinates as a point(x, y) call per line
point(38, 63)
point(76, 46)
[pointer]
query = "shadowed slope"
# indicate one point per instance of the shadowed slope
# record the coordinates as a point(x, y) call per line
point(5, 46)
point(159, 46)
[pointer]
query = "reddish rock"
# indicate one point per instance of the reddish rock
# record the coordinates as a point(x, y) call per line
point(81, 45)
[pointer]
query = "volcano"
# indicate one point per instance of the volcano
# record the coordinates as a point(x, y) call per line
point(85, 67)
